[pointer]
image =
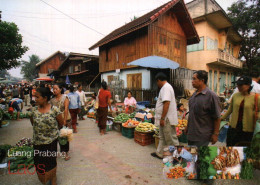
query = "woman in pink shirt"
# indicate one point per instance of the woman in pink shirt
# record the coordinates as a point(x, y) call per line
point(130, 103)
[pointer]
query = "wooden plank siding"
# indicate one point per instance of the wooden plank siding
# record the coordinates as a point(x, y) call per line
point(52, 63)
point(145, 42)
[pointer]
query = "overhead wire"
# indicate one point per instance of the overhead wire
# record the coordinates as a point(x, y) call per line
point(73, 18)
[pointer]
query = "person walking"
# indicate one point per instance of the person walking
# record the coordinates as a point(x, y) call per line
point(46, 120)
point(104, 102)
point(26, 92)
point(15, 92)
point(204, 113)
point(165, 115)
point(33, 92)
point(242, 107)
point(61, 101)
point(82, 98)
point(74, 107)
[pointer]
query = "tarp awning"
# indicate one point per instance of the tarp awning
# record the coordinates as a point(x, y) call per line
point(155, 62)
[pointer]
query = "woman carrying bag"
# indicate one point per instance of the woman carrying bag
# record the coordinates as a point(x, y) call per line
point(61, 100)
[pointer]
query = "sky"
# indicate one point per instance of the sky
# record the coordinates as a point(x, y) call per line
point(72, 25)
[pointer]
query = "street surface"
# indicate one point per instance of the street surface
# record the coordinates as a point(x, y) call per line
point(101, 160)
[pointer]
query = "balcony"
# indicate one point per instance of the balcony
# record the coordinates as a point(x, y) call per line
point(228, 59)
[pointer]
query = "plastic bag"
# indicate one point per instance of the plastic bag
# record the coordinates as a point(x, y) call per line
point(186, 155)
point(66, 132)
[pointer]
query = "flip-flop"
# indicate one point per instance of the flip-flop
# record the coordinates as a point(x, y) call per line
point(67, 158)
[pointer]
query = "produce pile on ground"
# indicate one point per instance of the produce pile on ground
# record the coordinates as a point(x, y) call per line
point(176, 172)
point(182, 123)
point(18, 156)
point(91, 115)
point(232, 158)
point(130, 123)
point(145, 127)
point(247, 165)
point(4, 115)
point(123, 117)
point(226, 176)
point(203, 162)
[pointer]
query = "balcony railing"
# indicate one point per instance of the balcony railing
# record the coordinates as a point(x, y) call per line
point(229, 58)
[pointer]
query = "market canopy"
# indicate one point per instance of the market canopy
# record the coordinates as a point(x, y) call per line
point(7, 81)
point(44, 79)
point(155, 62)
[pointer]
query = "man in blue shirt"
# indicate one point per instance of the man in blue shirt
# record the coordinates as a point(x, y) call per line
point(74, 107)
point(14, 104)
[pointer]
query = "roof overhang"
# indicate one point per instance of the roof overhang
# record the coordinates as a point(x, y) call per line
point(49, 57)
point(220, 20)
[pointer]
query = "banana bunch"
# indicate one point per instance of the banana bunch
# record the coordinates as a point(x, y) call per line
point(145, 127)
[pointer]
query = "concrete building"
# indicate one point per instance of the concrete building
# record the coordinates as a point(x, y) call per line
point(219, 46)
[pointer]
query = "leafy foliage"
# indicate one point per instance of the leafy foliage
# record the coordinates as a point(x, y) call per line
point(4, 74)
point(244, 15)
point(29, 68)
point(11, 48)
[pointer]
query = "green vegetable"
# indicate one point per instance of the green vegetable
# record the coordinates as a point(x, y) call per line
point(247, 170)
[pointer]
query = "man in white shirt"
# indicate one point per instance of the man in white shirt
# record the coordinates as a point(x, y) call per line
point(82, 97)
point(255, 84)
point(165, 115)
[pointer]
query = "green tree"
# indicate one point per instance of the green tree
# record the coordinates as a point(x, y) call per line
point(4, 74)
point(29, 68)
point(11, 49)
point(244, 15)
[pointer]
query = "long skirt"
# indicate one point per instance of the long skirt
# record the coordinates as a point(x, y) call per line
point(102, 113)
point(45, 157)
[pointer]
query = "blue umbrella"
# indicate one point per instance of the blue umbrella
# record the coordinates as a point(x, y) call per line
point(67, 80)
point(155, 62)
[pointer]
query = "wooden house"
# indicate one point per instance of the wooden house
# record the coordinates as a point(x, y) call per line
point(219, 46)
point(80, 68)
point(166, 31)
point(50, 64)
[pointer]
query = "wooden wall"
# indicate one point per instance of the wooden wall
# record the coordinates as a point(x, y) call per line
point(52, 63)
point(174, 47)
point(164, 37)
point(117, 54)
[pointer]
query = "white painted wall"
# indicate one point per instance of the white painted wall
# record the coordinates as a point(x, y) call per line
point(146, 76)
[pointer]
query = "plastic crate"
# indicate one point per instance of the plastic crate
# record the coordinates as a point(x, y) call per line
point(144, 138)
point(128, 132)
point(117, 126)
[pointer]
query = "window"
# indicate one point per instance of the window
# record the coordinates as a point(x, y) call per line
point(163, 40)
point(196, 47)
point(177, 46)
point(71, 69)
point(212, 44)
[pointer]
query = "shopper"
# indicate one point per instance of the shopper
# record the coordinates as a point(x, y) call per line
point(33, 92)
point(61, 101)
point(182, 114)
point(204, 113)
point(82, 97)
point(242, 107)
point(130, 103)
point(14, 105)
point(165, 115)
point(104, 102)
point(45, 120)
point(74, 107)
point(26, 92)
point(15, 92)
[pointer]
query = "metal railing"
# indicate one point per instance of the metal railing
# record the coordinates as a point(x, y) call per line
point(229, 58)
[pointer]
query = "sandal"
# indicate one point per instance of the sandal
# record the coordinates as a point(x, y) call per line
point(67, 158)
